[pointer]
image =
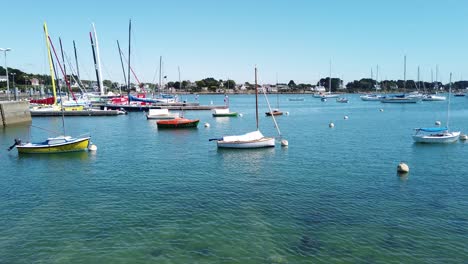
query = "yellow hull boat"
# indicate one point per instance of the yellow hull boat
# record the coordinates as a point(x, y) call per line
point(55, 145)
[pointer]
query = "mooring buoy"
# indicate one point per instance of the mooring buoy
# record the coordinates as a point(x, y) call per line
point(402, 168)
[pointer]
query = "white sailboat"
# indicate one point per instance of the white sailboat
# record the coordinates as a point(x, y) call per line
point(410, 98)
point(437, 134)
point(250, 140)
point(373, 97)
point(329, 94)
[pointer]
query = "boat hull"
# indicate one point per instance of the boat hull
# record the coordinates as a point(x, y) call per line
point(79, 144)
point(274, 113)
point(437, 138)
point(401, 100)
point(259, 143)
point(176, 123)
point(434, 98)
point(232, 114)
point(370, 97)
point(162, 117)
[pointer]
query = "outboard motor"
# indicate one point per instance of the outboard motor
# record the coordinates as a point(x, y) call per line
point(17, 142)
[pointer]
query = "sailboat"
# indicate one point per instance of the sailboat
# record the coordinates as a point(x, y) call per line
point(329, 94)
point(433, 96)
point(375, 96)
point(224, 112)
point(250, 140)
point(56, 144)
point(437, 134)
point(276, 111)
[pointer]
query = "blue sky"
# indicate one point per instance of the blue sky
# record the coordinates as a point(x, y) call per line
point(292, 39)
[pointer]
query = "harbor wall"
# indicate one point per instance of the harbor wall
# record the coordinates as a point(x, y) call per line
point(14, 112)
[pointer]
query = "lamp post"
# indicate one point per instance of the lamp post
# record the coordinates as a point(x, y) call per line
point(14, 89)
point(13, 74)
point(6, 69)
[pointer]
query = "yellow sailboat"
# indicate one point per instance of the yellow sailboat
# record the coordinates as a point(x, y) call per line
point(55, 144)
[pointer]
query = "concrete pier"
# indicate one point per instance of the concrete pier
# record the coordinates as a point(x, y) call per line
point(42, 113)
point(140, 108)
point(14, 112)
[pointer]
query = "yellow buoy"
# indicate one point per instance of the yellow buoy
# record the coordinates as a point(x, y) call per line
point(402, 168)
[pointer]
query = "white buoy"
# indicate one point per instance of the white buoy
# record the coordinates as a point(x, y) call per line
point(92, 147)
point(284, 143)
point(331, 125)
point(207, 124)
point(381, 110)
point(241, 115)
point(345, 117)
point(437, 123)
point(402, 168)
point(463, 137)
point(287, 113)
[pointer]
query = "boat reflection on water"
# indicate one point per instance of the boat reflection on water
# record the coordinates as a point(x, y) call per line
point(248, 160)
point(222, 120)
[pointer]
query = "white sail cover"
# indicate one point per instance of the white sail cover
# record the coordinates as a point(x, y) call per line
point(256, 135)
point(221, 111)
point(158, 112)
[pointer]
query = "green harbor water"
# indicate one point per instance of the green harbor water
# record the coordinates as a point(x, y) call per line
point(170, 196)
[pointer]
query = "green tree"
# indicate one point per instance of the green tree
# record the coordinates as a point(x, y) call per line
point(292, 84)
point(200, 84)
point(107, 83)
point(229, 84)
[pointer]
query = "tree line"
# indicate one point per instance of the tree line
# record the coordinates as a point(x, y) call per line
point(336, 84)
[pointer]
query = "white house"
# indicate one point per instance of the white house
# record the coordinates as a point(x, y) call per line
point(34, 82)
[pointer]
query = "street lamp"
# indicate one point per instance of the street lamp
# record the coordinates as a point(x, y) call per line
point(6, 69)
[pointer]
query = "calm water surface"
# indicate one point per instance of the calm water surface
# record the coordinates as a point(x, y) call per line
point(171, 196)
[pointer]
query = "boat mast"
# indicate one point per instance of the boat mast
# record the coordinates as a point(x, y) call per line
point(160, 72)
point(180, 83)
point(377, 79)
point(76, 61)
point(65, 71)
point(101, 85)
point(448, 106)
point(49, 55)
point(404, 74)
point(417, 86)
point(256, 97)
point(94, 58)
point(129, 41)
point(329, 80)
point(277, 92)
point(121, 62)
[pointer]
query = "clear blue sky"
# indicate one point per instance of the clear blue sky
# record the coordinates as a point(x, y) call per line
point(292, 39)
